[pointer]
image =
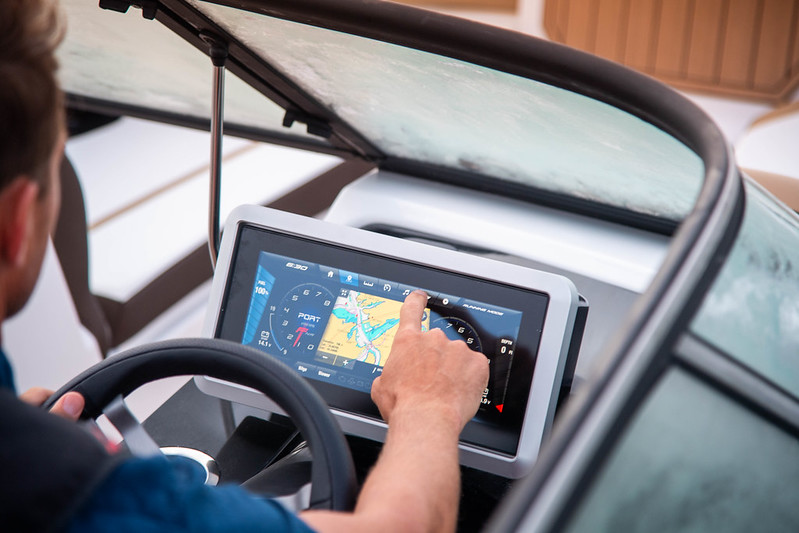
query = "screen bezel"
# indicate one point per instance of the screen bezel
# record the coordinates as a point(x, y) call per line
point(366, 249)
point(502, 430)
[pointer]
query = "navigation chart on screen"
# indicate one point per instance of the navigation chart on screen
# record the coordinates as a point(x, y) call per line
point(361, 328)
point(338, 326)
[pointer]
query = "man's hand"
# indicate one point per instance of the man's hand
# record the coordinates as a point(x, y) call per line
point(69, 406)
point(430, 387)
point(427, 371)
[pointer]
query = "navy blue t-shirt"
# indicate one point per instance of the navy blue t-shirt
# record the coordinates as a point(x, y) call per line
point(160, 494)
point(169, 494)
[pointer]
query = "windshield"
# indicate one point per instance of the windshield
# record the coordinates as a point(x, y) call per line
point(129, 60)
point(424, 107)
point(752, 311)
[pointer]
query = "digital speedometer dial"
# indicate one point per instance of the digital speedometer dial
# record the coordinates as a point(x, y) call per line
point(298, 322)
point(458, 329)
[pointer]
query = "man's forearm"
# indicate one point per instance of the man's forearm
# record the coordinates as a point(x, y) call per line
point(429, 389)
point(421, 450)
point(415, 483)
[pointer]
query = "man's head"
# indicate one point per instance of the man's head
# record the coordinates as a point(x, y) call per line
point(31, 142)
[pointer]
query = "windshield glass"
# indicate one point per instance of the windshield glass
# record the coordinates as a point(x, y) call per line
point(693, 460)
point(423, 107)
point(137, 62)
point(752, 311)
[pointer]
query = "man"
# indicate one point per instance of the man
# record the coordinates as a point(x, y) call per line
point(57, 477)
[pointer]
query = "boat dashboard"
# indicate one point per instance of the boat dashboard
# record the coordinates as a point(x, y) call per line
point(325, 299)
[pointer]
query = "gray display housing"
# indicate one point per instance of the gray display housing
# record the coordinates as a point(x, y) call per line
point(554, 349)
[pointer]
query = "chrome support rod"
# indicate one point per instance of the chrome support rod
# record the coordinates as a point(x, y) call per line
point(217, 121)
point(218, 51)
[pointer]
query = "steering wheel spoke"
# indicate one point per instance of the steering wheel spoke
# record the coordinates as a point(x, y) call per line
point(136, 438)
point(297, 501)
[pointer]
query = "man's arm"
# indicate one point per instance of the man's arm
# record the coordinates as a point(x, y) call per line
point(429, 389)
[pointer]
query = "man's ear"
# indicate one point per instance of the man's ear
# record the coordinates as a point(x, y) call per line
point(17, 202)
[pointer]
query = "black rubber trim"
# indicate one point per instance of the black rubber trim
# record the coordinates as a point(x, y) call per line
point(113, 109)
point(746, 386)
point(333, 472)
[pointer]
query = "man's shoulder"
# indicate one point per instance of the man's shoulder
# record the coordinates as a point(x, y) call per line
point(49, 464)
point(57, 474)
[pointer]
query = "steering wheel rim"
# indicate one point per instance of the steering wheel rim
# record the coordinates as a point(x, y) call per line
point(333, 478)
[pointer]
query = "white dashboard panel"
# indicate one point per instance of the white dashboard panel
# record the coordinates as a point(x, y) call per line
point(611, 253)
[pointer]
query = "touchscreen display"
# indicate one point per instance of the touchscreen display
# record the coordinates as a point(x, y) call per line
point(331, 313)
point(337, 326)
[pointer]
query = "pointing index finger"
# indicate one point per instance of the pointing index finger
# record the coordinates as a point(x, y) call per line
point(412, 310)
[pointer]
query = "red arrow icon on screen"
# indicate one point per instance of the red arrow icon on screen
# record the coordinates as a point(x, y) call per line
point(499, 407)
point(300, 330)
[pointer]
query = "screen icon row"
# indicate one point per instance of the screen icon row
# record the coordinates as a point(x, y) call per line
point(373, 285)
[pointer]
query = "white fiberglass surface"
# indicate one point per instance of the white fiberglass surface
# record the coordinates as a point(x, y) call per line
point(610, 253)
point(146, 191)
point(770, 146)
point(421, 106)
point(752, 311)
point(127, 59)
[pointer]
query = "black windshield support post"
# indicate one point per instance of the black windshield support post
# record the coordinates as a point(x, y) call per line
point(218, 52)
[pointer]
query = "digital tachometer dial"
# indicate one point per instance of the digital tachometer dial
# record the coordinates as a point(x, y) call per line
point(458, 329)
point(299, 321)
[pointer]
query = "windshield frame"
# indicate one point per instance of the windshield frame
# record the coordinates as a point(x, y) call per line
point(460, 39)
